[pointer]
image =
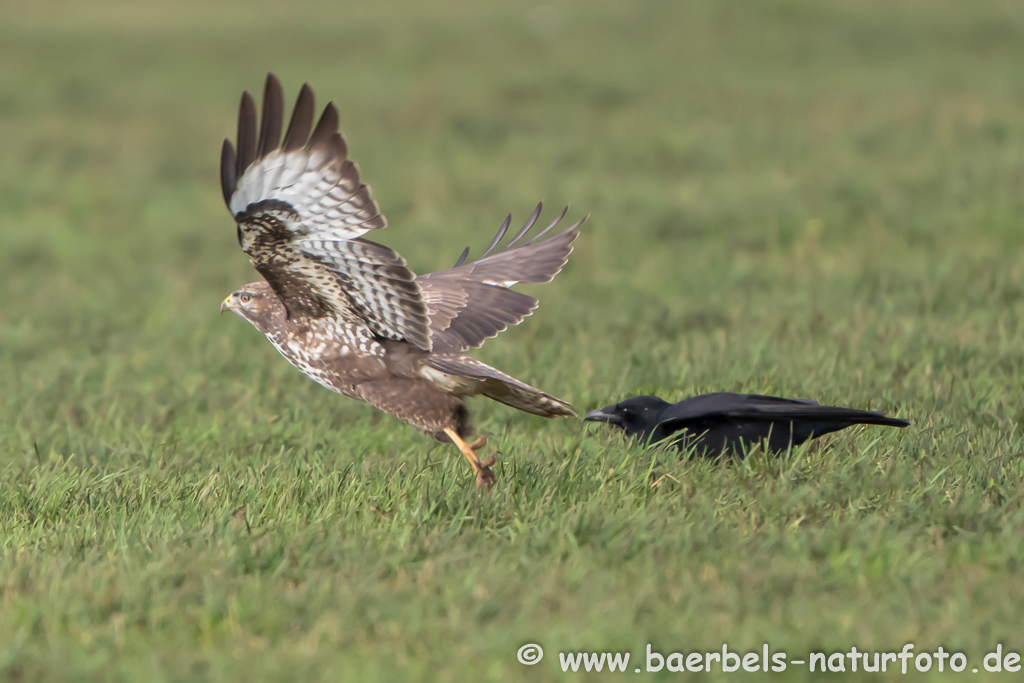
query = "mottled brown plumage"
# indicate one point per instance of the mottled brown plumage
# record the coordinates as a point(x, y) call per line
point(346, 311)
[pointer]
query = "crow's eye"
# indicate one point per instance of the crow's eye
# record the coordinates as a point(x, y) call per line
point(626, 412)
point(244, 297)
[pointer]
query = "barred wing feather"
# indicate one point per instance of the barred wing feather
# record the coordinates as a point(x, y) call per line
point(302, 211)
point(471, 302)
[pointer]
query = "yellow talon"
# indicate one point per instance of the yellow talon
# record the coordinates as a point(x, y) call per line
point(484, 476)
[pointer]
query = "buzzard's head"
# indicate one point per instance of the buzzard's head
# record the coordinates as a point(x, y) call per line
point(256, 302)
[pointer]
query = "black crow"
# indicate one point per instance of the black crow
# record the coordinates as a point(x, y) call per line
point(713, 423)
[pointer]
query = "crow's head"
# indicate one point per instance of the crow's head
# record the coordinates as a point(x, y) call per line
point(638, 416)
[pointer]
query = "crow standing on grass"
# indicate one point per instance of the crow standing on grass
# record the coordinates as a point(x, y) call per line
point(346, 311)
point(713, 423)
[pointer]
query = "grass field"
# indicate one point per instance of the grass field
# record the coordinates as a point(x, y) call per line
point(820, 199)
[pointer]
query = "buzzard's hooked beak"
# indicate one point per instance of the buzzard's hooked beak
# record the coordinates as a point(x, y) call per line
point(225, 305)
point(600, 416)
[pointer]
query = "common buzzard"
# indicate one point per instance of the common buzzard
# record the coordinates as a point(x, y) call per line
point(346, 311)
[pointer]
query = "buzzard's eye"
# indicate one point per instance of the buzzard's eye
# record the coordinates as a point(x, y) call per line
point(244, 298)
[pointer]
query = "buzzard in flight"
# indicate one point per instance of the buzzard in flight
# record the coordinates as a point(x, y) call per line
point(346, 311)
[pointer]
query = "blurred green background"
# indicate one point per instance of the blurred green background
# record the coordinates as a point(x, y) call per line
point(817, 199)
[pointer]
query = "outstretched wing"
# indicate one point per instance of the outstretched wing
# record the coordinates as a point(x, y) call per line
point(302, 211)
point(471, 302)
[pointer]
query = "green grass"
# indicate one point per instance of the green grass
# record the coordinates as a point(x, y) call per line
point(819, 199)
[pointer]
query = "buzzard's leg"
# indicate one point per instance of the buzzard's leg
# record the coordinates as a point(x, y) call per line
point(484, 475)
point(479, 443)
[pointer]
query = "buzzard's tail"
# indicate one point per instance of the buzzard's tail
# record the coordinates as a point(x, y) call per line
point(483, 380)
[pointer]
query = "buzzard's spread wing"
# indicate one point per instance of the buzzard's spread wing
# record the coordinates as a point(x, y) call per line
point(472, 302)
point(301, 212)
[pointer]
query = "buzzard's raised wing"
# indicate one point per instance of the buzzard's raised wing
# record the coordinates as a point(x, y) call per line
point(471, 302)
point(301, 212)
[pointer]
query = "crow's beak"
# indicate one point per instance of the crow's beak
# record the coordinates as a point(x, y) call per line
point(225, 305)
point(600, 415)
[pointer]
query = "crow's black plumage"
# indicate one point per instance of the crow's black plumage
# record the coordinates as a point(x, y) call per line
point(719, 422)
